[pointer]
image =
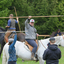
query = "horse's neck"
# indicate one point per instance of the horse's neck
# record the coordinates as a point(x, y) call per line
point(43, 42)
point(2, 29)
point(58, 39)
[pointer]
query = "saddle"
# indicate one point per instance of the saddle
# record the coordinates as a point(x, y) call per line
point(29, 46)
point(10, 36)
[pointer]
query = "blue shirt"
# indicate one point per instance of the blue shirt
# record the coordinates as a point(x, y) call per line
point(9, 22)
point(12, 51)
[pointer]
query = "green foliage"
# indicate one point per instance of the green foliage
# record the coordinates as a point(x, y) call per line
point(4, 4)
point(35, 8)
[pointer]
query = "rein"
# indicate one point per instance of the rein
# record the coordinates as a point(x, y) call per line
point(42, 44)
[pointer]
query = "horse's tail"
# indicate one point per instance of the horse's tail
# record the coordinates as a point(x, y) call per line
point(4, 59)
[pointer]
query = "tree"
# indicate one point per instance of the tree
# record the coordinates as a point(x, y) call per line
point(4, 4)
point(35, 8)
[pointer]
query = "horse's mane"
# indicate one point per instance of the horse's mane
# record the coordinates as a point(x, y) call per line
point(2, 29)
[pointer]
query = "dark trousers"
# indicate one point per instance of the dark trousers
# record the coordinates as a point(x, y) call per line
point(11, 62)
point(33, 44)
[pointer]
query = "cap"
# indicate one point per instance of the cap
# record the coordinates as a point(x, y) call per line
point(32, 20)
point(51, 39)
point(11, 40)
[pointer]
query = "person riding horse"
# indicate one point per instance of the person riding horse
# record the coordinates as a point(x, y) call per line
point(10, 26)
point(30, 35)
point(58, 33)
point(20, 37)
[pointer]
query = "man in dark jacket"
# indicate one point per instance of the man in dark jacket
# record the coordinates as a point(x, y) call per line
point(52, 54)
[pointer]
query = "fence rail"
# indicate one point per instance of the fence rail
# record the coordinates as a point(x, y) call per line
point(45, 35)
point(35, 16)
point(12, 31)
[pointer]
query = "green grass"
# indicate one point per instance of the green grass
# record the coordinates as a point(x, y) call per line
point(19, 61)
point(61, 61)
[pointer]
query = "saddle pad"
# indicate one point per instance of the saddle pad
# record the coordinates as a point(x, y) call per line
point(29, 46)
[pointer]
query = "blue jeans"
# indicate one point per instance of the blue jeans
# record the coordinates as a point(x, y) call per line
point(11, 62)
point(33, 44)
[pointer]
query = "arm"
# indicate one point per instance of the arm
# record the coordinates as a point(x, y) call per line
point(59, 54)
point(8, 23)
point(26, 22)
point(45, 55)
point(37, 34)
point(12, 45)
point(17, 20)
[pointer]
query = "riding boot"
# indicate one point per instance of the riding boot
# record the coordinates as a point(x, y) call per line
point(32, 56)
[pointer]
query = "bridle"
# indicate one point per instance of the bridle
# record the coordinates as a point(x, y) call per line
point(41, 43)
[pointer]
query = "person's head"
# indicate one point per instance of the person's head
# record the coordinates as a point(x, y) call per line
point(58, 30)
point(32, 22)
point(52, 40)
point(11, 16)
point(10, 41)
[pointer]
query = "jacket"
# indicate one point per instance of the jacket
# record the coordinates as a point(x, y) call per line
point(58, 34)
point(30, 31)
point(52, 54)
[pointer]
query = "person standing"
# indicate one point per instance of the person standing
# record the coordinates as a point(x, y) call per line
point(30, 35)
point(52, 54)
point(12, 52)
point(10, 26)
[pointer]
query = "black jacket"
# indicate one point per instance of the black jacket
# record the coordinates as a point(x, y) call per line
point(52, 54)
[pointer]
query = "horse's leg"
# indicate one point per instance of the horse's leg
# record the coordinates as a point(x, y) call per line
point(4, 59)
point(2, 45)
point(41, 61)
point(1, 50)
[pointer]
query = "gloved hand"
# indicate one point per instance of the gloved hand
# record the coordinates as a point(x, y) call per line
point(14, 32)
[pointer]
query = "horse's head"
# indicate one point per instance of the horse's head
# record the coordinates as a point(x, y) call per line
point(59, 40)
point(21, 37)
point(2, 29)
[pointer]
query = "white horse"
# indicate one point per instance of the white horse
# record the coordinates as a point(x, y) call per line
point(23, 52)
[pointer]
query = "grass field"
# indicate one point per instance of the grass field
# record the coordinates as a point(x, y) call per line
point(19, 61)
